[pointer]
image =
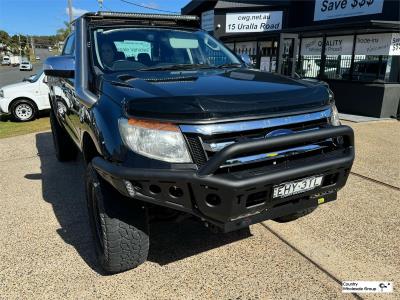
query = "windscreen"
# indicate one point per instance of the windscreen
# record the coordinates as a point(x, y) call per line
point(147, 49)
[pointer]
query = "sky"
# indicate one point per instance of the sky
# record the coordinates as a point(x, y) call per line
point(44, 17)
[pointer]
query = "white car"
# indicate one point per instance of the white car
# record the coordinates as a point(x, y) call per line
point(25, 99)
point(37, 57)
point(6, 61)
point(25, 66)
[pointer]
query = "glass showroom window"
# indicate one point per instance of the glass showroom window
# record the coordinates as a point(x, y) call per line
point(377, 57)
point(310, 57)
point(249, 48)
point(338, 51)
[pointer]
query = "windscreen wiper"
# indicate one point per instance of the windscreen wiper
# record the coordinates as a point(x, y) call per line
point(176, 67)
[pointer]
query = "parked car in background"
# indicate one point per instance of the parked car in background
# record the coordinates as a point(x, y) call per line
point(50, 49)
point(25, 66)
point(25, 99)
point(6, 61)
point(37, 57)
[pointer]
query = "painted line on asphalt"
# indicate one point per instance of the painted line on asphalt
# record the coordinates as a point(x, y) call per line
point(376, 181)
point(317, 265)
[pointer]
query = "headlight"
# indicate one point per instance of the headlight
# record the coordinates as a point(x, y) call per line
point(162, 141)
point(1, 94)
point(335, 116)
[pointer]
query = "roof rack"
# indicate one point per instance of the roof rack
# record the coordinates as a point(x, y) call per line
point(148, 16)
point(105, 17)
point(141, 16)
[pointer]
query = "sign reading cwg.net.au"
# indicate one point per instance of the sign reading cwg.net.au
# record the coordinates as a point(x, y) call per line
point(334, 9)
point(253, 22)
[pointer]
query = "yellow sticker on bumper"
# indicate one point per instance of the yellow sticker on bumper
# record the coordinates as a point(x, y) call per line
point(321, 200)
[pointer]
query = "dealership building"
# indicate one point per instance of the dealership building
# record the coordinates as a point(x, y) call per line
point(354, 45)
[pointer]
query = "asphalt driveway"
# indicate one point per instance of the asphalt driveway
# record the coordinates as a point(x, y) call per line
point(46, 248)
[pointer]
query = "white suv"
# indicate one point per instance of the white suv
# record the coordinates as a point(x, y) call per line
point(25, 99)
point(25, 66)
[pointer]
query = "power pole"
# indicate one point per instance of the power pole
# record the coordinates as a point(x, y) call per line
point(27, 46)
point(19, 42)
point(70, 13)
point(33, 47)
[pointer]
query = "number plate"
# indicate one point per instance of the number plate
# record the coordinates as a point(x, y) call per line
point(296, 187)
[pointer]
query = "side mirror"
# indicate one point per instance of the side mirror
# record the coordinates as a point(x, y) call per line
point(246, 59)
point(45, 80)
point(60, 66)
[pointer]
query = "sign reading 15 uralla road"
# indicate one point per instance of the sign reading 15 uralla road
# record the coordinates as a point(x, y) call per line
point(253, 21)
point(334, 9)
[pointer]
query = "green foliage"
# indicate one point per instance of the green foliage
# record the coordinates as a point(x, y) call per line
point(4, 37)
point(62, 33)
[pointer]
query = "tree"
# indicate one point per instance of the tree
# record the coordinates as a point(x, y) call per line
point(4, 37)
point(62, 33)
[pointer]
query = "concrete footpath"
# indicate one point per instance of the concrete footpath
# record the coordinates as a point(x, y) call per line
point(46, 249)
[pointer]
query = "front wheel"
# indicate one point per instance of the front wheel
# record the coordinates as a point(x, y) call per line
point(23, 110)
point(119, 225)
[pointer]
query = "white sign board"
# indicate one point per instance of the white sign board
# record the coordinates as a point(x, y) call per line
point(335, 9)
point(253, 22)
point(334, 45)
point(207, 20)
point(339, 45)
point(378, 44)
point(311, 46)
point(395, 44)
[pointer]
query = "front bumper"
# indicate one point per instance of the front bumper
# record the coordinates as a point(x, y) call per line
point(234, 200)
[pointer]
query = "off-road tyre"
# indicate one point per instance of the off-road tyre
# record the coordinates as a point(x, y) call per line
point(119, 225)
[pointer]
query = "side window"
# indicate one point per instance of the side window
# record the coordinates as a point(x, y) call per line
point(69, 47)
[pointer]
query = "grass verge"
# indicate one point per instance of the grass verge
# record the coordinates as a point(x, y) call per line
point(9, 128)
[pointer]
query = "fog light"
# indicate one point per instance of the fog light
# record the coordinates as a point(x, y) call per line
point(130, 188)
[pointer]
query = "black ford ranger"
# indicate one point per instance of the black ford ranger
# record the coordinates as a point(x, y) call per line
point(172, 122)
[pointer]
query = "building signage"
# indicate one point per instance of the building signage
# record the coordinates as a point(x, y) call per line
point(334, 45)
point(378, 44)
point(207, 20)
point(395, 44)
point(311, 46)
point(335, 9)
point(366, 44)
point(339, 45)
point(253, 22)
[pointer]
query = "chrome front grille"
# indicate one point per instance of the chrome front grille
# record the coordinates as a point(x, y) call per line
point(206, 140)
